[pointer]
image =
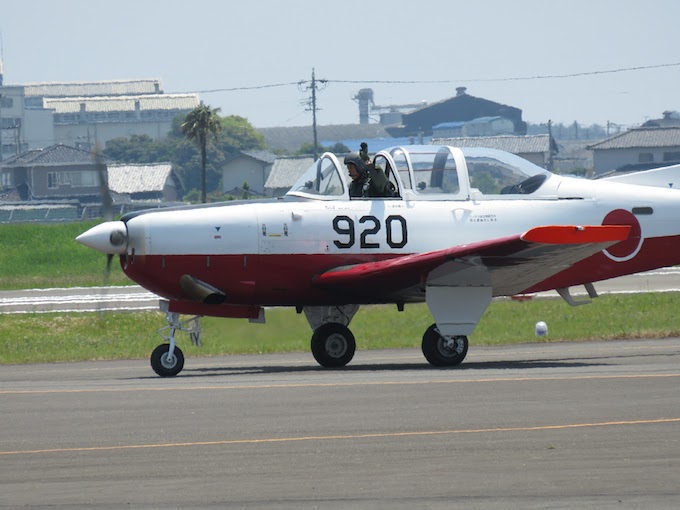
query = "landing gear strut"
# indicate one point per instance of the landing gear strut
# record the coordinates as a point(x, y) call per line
point(167, 360)
point(444, 351)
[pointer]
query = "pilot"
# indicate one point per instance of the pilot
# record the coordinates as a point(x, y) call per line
point(367, 179)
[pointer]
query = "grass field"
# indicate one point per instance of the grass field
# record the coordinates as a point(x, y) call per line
point(87, 336)
point(39, 256)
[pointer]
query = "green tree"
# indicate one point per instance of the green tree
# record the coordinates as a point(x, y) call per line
point(199, 124)
point(308, 148)
point(235, 135)
point(138, 149)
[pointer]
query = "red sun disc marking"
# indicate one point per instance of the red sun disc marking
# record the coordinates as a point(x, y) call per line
point(627, 247)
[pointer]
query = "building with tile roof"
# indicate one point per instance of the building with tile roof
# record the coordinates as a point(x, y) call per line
point(285, 172)
point(56, 172)
point(637, 149)
point(61, 172)
point(153, 181)
point(535, 148)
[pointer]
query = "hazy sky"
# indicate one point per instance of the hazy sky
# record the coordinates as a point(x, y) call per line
point(202, 45)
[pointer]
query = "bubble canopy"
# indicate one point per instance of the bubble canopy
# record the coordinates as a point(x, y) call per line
point(427, 171)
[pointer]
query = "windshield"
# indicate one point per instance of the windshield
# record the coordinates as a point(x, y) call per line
point(321, 179)
point(495, 172)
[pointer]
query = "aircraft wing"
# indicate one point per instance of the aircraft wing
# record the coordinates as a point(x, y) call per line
point(511, 264)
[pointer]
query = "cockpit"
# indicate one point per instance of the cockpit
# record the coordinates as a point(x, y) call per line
point(429, 172)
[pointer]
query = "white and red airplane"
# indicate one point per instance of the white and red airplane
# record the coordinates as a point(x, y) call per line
point(466, 225)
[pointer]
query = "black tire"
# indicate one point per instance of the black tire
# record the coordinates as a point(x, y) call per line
point(164, 367)
point(441, 351)
point(333, 345)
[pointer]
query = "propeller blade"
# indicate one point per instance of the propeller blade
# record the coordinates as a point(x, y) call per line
point(105, 192)
point(107, 271)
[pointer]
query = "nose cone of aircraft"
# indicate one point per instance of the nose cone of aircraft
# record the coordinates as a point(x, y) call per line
point(109, 237)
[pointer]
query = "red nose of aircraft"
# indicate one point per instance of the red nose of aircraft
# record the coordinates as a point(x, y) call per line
point(109, 237)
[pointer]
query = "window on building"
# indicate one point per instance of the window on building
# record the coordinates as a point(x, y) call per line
point(64, 178)
point(645, 157)
point(52, 180)
point(83, 179)
point(34, 102)
point(6, 179)
point(10, 123)
point(671, 156)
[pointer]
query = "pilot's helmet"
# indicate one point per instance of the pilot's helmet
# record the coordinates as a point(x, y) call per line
point(355, 159)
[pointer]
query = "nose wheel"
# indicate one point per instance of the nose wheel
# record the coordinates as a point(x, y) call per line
point(166, 363)
point(167, 360)
point(333, 345)
point(444, 351)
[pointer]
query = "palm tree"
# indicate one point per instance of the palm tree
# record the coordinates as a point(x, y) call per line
point(198, 125)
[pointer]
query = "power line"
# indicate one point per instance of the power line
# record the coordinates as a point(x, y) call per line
point(457, 80)
point(234, 89)
point(514, 78)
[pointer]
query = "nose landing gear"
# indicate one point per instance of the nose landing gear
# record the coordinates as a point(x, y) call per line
point(167, 360)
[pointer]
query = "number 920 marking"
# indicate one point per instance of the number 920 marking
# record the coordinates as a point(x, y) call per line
point(396, 232)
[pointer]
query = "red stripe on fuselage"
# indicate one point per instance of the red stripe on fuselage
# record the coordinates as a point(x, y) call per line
point(266, 280)
point(271, 280)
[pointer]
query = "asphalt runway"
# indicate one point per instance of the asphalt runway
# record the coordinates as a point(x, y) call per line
point(569, 425)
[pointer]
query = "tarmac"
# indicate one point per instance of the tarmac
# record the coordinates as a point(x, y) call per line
point(564, 425)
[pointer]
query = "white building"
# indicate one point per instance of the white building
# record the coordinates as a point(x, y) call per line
point(38, 115)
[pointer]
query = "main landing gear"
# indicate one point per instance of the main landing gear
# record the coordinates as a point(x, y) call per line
point(333, 343)
point(444, 351)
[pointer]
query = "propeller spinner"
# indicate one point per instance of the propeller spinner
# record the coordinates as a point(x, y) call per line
point(109, 237)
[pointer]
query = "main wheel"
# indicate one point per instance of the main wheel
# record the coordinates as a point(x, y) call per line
point(163, 364)
point(444, 351)
point(333, 345)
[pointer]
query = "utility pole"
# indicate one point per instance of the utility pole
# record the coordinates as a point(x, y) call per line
point(312, 105)
point(551, 161)
point(316, 139)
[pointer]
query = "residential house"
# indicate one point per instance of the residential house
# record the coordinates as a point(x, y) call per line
point(252, 167)
point(145, 182)
point(56, 172)
point(637, 149)
point(285, 172)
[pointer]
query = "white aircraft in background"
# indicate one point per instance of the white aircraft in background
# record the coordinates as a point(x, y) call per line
point(464, 225)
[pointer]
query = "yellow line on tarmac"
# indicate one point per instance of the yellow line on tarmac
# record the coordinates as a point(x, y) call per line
point(344, 437)
point(336, 385)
